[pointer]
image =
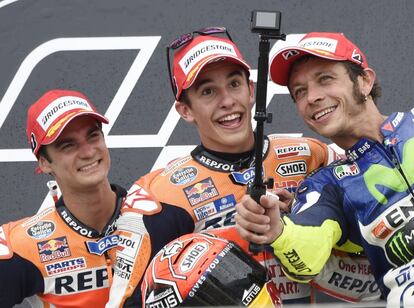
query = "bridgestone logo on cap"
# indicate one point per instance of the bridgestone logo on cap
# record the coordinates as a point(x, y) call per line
point(319, 43)
point(59, 107)
point(205, 49)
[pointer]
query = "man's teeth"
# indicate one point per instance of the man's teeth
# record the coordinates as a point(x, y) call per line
point(230, 117)
point(323, 112)
point(88, 167)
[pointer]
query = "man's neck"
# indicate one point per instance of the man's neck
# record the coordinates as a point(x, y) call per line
point(92, 207)
point(368, 125)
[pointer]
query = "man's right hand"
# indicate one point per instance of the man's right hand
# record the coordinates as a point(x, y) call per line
point(259, 223)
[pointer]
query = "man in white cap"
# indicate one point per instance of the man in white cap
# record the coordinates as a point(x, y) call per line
point(211, 86)
point(59, 257)
point(364, 203)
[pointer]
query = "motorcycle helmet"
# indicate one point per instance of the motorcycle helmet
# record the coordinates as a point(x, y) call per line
point(200, 269)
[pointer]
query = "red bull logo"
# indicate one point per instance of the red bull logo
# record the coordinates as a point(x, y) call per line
point(201, 191)
point(53, 249)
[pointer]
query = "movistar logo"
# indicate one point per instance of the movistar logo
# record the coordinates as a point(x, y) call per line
point(378, 175)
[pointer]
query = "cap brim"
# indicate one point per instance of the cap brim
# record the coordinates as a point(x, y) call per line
point(197, 69)
point(58, 130)
point(280, 67)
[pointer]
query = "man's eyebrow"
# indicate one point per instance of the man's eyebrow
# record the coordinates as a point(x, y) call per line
point(94, 128)
point(199, 83)
point(59, 142)
point(91, 130)
point(317, 74)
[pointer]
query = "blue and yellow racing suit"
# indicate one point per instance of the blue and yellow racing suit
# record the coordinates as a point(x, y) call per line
point(365, 203)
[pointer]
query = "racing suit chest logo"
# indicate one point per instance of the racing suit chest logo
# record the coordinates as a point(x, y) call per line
point(214, 164)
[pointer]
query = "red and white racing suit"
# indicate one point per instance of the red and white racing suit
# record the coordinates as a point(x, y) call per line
point(199, 192)
point(56, 261)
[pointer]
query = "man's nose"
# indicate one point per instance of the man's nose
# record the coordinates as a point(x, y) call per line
point(86, 149)
point(314, 93)
point(227, 98)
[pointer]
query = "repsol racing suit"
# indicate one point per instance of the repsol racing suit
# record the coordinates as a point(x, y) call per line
point(56, 261)
point(199, 192)
point(365, 202)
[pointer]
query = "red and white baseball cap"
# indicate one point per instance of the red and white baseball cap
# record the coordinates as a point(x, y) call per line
point(331, 46)
point(190, 59)
point(50, 114)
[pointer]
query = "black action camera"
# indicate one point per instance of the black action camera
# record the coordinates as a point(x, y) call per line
point(266, 22)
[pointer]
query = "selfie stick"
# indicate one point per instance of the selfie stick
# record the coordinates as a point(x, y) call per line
point(267, 24)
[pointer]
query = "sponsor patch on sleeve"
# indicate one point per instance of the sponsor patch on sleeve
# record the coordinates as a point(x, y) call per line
point(139, 200)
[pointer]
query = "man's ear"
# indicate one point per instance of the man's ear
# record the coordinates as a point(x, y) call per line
point(251, 90)
point(184, 111)
point(44, 165)
point(367, 81)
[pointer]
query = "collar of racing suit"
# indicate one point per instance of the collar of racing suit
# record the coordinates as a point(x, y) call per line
point(227, 162)
point(85, 230)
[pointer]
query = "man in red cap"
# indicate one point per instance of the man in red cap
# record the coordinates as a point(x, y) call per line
point(59, 257)
point(210, 82)
point(364, 203)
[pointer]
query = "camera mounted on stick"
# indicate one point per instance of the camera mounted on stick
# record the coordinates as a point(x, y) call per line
point(267, 24)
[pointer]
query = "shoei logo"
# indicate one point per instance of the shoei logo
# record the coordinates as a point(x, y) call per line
point(294, 168)
point(193, 255)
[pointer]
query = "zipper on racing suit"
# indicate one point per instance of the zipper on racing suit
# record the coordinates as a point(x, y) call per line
point(397, 164)
point(108, 262)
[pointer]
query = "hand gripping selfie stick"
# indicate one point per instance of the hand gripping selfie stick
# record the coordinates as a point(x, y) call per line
point(267, 24)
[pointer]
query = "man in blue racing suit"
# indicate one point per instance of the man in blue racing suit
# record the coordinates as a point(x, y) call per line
point(364, 203)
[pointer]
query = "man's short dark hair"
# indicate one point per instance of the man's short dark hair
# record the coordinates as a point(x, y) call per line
point(354, 70)
point(43, 152)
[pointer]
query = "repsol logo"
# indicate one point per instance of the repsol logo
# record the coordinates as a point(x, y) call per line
point(126, 242)
point(81, 281)
point(192, 256)
point(352, 284)
point(75, 226)
point(295, 168)
point(213, 164)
